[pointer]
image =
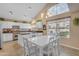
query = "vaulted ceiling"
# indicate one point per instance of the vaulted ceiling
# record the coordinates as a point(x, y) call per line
point(20, 11)
point(27, 11)
point(73, 7)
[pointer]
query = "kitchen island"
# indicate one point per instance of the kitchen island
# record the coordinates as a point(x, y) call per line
point(27, 34)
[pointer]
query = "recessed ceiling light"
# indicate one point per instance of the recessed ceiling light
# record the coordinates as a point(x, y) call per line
point(11, 12)
point(29, 7)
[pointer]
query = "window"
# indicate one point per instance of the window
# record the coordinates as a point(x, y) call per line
point(58, 9)
point(60, 27)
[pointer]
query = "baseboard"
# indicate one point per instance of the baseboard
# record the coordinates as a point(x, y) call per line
point(70, 46)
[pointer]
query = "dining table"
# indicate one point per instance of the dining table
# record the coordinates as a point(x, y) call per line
point(40, 41)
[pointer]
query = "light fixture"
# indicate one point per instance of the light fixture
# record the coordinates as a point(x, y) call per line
point(46, 16)
point(29, 7)
point(11, 12)
point(49, 15)
point(42, 15)
point(33, 22)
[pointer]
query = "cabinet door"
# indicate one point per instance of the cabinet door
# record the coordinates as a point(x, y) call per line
point(7, 37)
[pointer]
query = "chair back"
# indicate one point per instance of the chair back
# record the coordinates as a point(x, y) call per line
point(54, 45)
point(32, 49)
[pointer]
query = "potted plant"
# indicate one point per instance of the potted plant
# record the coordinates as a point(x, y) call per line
point(76, 21)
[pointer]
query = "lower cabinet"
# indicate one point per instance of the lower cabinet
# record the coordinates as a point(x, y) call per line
point(7, 37)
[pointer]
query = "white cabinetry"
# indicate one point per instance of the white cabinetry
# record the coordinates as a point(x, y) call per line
point(7, 37)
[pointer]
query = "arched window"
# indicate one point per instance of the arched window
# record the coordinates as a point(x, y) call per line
point(58, 9)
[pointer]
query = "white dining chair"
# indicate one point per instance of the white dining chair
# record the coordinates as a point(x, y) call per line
point(30, 49)
point(52, 49)
point(25, 42)
point(48, 50)
point(55, 45)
